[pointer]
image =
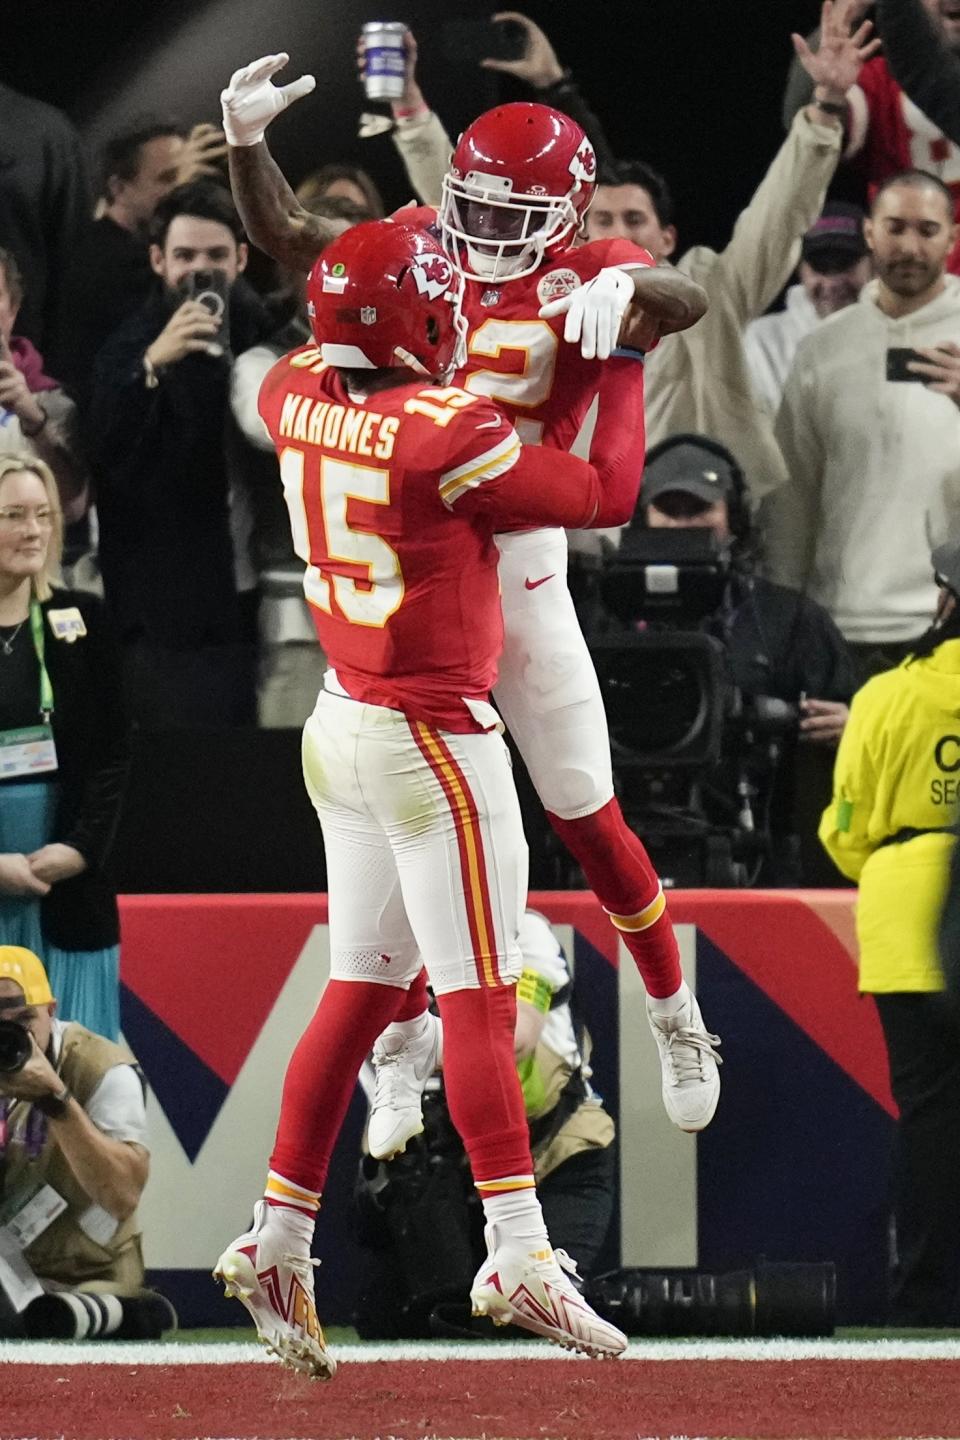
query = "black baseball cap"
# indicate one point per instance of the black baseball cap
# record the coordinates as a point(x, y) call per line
point(690, 466)
point(835, 240)
point(946, 565)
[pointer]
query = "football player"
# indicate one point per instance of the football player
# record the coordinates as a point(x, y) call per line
point(396, 483)
point(542, 315)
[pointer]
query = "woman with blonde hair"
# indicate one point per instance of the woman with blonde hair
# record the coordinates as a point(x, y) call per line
point(63, 756)
point(890, 827)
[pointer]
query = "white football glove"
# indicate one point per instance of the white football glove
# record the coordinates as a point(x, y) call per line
point(595, 312)
point(251, 100)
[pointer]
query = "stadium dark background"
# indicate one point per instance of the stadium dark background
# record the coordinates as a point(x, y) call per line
point(693, 86)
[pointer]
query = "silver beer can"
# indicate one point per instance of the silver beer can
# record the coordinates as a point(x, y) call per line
point(384, 61)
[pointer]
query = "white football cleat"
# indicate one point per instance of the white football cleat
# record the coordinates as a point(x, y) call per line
point(532, 1289)
point(402, 1068)
point(689, 1065)
point(277, 1289)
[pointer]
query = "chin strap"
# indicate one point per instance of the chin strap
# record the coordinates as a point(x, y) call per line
point(411, 361)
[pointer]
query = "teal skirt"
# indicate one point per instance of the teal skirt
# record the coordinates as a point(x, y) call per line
point(86, 983)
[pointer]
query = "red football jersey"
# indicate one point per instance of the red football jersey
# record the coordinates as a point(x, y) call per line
point(891, 134)
point(522, 362)
point(402, 586)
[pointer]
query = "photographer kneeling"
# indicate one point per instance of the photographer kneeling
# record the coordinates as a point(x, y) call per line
point(778, 645)
point(73, 1164)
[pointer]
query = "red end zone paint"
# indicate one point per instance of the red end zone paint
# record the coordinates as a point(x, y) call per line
point(516, 1400)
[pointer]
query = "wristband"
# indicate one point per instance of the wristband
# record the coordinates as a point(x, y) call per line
point(151, 378)
point(831, 107)
point(411, 112)
point(54, 1106)
point(628, 352)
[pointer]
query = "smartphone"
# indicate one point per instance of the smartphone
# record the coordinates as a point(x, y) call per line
point(898, 358)
point(470, 41)
point(211, 289)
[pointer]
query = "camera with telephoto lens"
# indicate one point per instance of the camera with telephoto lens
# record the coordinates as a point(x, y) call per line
point(16, 1047)
point(770, 1298)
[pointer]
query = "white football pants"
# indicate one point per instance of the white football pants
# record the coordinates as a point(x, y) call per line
point(425, 850)
point(548, 692)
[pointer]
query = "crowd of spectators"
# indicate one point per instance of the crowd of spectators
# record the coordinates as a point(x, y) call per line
point(146, 414)
point(154, 440)
point(809, 424)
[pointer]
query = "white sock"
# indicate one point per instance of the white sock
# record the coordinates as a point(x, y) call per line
point(408, 1029)
point(290, 1209)
point(295, 1226)
point(517, 1215)
point(670, 1005)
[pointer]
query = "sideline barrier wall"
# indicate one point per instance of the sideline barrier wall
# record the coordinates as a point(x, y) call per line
point(217, 988)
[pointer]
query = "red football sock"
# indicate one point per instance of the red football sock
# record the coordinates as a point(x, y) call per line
point(481, 1081)
point(620, 874)
point(415, 1001)
point(322, 1074)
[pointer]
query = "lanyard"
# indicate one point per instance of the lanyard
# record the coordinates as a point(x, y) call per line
point(46, 689)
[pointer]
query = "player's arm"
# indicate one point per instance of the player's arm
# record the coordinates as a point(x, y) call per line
point(510, 487)
point(653, 300)
point(272, 215)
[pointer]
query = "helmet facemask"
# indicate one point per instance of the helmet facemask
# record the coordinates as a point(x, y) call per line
point(494, 235)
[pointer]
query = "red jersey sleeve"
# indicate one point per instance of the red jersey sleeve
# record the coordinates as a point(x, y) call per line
point(620, 252)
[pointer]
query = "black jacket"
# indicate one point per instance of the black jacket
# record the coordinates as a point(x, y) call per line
point(114, 279)
point(163, 503)
point(91, 735)
point(783, 644)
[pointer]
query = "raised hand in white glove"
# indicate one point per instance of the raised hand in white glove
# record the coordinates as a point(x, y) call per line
point(251, 100)
point(595, 312)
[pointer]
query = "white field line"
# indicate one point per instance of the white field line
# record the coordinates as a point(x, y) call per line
point(132, 1354)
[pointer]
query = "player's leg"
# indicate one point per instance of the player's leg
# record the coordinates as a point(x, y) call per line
point(549, 696)
point(373, 959)
point(462, 861)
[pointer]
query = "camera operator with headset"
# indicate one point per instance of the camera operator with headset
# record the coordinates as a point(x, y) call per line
point(73, 1165)
point(778, 645)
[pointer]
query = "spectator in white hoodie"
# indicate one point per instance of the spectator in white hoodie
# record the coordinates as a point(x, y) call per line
point(834, 267)
point(874, 463)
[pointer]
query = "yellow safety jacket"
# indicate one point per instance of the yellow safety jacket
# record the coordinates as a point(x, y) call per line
point(897, 770)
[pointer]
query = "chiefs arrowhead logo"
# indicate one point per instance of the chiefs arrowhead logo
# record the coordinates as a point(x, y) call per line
point(432, 275)
point(583, 166)
point(557, 283)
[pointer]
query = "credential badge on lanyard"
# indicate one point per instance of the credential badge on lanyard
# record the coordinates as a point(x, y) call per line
point(31, 750)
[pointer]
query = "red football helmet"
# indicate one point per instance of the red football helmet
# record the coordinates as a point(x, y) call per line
point(384, 295)
point(519, 183)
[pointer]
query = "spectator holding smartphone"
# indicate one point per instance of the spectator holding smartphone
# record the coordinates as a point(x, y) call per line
point(139, 165)
point(163, 438)
point(870, 437)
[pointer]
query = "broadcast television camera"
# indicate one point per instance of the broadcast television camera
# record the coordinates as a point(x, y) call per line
point(694, 755)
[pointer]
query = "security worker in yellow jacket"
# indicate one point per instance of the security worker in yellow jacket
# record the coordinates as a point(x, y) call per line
point(890, 827)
